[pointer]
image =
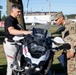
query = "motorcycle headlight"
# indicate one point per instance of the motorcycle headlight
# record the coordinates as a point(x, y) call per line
point(36, 50)
point(33, 46)
point(41, 48)
point(36, 47)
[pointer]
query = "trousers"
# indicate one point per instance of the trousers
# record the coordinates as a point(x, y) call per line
point(10, 50)
point(71, 63)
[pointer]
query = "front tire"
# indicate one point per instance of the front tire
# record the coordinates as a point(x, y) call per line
point(16, 73)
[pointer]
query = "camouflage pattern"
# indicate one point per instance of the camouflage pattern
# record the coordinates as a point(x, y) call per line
point(70, 37)
point(70, 28)
point(59, 14)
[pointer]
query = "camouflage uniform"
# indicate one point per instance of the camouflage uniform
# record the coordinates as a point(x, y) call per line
point(70, 37)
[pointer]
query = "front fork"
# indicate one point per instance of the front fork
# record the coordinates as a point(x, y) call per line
point(49, 64)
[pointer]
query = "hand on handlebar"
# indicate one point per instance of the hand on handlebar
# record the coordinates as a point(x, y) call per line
point(27, 32)
point(65, 46)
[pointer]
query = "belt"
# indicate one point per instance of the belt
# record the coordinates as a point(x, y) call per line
point(9, 40)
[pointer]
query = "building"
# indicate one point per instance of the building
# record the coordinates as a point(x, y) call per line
point(39, 17)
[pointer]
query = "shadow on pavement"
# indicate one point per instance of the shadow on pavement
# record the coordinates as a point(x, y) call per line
point(57, 69)
point(3, 69)
point(2, 36)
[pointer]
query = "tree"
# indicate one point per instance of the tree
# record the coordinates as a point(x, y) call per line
point(3, 18)
point(71, 16)
point(20, 19)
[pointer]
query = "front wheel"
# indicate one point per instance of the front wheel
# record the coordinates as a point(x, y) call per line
point(50, 73)
point(16, 73)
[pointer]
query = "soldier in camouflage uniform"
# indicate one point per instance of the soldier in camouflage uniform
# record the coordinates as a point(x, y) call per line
point(69, 35)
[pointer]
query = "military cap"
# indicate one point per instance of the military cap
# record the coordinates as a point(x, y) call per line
point(57, 15)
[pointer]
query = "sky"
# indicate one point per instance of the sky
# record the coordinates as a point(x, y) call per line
point(34, 5)
point(66, 6)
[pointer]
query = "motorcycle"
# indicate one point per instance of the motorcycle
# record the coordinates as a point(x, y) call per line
point(36, 53)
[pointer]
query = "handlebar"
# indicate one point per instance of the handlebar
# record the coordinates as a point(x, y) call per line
point(59, 30)
point(64, 47)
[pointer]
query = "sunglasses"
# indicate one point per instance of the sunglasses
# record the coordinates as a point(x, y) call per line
point(56, 19)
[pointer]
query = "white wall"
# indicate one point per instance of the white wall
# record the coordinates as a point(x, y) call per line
point(73, 19)
point(37, 19)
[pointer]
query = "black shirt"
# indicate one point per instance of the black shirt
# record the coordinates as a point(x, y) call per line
point(10, 21)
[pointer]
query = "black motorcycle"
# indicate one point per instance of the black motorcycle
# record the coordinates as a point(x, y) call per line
point(36, 53)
